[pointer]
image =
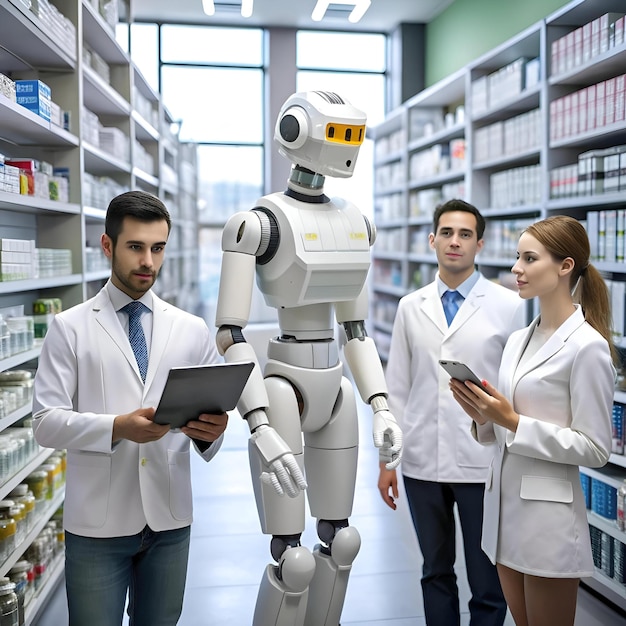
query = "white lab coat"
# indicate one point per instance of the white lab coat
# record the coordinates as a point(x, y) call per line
point(87, 376)
point(438, 445)
point(535, 519)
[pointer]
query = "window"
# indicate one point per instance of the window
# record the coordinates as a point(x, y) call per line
point(209, 45)
point(212, 81)
point(215, 104)
point(353, 66)
point(231, 180)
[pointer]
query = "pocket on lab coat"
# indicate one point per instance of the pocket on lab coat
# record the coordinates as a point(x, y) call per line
point(89, 485)
point(180, 483)
point(546, 488)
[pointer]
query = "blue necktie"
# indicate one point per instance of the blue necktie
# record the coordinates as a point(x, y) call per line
point(451, 302)
point(136, 336)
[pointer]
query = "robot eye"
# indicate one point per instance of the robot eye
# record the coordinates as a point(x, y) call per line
point(289, 128)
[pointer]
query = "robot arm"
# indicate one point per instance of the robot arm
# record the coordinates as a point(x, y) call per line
point(364, 362)
point(242, 240)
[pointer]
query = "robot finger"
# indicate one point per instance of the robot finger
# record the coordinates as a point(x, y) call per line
point(395, 461)
point(270, 478)
point(296, 472)
point(284, 478)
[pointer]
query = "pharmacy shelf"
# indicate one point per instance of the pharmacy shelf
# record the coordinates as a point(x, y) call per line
point(121, 99)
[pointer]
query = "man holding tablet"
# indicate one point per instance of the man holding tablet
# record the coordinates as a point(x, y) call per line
point(103, 367)
point(460, 316)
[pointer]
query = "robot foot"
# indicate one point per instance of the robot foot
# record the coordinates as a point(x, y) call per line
point(284, 590)
point(328, 588)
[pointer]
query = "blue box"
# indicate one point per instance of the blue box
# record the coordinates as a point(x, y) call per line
point(35, 96)
point(585, 483)
point(603, 499)
point(617, 445)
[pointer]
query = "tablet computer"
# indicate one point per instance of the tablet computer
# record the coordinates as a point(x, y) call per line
point(189, 391)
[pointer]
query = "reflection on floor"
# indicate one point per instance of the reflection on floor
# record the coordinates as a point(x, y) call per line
point(229, 554)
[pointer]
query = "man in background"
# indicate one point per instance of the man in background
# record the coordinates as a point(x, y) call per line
point(460, 316)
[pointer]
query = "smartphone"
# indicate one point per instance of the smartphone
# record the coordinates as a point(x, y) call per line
point(461, 372)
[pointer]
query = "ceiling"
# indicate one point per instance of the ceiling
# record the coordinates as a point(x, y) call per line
point(382, 15)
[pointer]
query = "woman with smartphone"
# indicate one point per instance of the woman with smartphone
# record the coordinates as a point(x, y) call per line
point(550, 413)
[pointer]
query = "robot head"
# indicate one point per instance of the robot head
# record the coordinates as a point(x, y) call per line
point(320, 131)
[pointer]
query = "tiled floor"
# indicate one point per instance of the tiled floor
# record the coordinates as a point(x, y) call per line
point(229, 554)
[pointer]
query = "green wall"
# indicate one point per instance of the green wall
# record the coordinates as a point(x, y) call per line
point(470, 28)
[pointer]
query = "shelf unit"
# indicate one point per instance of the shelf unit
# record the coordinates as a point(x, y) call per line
point(519, 126)
point(151, 159)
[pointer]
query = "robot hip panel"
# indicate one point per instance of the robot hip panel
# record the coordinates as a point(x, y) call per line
point(319, 390)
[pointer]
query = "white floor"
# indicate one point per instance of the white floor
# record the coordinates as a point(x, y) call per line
point(229, 554)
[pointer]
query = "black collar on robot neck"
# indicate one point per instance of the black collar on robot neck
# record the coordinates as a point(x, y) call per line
point(303, 197)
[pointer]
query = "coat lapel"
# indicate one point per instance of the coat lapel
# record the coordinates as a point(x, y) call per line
point(549, 349)
point(106, 317)
point(162, 323)
point(432, 307)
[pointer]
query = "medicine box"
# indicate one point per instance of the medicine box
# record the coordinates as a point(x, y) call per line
point(35, 96)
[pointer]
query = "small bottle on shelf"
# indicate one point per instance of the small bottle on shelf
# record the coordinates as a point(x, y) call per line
point(621, 506)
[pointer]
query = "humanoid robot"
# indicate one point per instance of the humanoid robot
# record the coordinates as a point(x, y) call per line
point(310, 255)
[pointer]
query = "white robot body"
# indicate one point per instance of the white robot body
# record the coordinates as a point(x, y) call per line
point(323, 256)
point(310, 256)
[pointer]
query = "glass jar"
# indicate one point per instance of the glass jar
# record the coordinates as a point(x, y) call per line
point(49, 470)
point(37, 554)
point(7, 537)
point(9, 611)
point(21, 493)
point(24, 570)
point(18, 575)
point(10, 509)
point(62, 456)
point(5, 339)
point(55, 459)
point(37, 481)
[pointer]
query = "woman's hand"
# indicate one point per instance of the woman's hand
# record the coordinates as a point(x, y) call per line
point(485, 404)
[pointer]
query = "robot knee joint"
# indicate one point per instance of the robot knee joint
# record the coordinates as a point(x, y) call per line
point(343, 541)
point(296, 569)
point(345, 546)
point(280, 543)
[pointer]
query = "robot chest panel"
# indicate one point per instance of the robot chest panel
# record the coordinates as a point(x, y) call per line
point(323, 256)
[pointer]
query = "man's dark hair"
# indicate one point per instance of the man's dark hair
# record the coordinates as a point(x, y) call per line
point(460, 205)
point(139, 205)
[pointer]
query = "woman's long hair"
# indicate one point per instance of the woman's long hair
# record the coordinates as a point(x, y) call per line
point(564, 237)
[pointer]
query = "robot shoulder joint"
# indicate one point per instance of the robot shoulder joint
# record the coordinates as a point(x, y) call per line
point(242, 233)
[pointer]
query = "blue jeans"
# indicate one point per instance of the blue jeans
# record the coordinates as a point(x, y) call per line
point(151, 566)
point(432, 510)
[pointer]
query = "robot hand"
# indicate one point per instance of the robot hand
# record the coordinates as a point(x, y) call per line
point(283, 473)
point(387, 438)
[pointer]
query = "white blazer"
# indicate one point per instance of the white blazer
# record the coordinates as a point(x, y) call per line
point(535, 519)
point(87, 376)
point(437, 442)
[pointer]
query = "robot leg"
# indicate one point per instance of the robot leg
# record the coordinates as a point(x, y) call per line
point(331, 462)
point(283, 592)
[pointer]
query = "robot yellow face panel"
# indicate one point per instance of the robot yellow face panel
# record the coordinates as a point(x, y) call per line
point(345, 133)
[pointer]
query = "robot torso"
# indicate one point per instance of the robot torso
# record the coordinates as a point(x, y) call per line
point(322, 252)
